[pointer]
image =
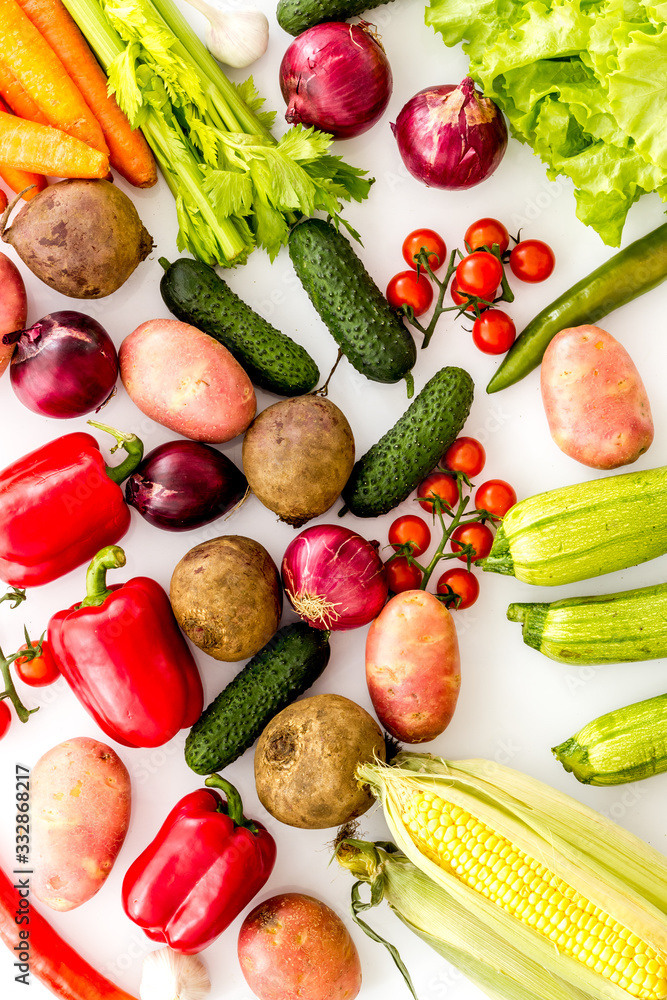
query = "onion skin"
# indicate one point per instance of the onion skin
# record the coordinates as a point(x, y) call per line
point(336, 77)
point(184, 484)
point(63, 366)
point(451, 137)
point(334, 579)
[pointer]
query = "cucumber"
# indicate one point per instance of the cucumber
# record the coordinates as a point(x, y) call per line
point(195, 294)
point(295, 16)
point(373, 337)
point(282, 670)
point(627, 744)
point(605, 628)
point(581, 531)
point(393, 467)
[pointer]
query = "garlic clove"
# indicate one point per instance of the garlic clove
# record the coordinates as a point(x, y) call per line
point(236, 38)
point(170, 975)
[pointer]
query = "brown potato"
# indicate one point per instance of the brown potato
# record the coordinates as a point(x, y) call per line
point(80, 810)
point(226, 596)
point(306, 759)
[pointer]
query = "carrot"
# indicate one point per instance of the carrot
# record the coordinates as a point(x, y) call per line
point(129, 152)
point(46, 150)
point(15, 96)
point(19, 180)
point(42, 75)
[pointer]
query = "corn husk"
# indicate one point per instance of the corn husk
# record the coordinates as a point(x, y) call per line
point(609, 866)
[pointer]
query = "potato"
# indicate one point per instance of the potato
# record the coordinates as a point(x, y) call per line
point(187, 381)
point(413, 669)
point(297, 456)
point(306, 758)
point(594, 399)
point(13, 306)
point(226, 596)
point(80, 810)
point(294, 947)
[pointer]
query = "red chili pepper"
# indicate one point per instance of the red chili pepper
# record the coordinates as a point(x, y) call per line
point(122, 653)
point(60, 504)
point(205, 865)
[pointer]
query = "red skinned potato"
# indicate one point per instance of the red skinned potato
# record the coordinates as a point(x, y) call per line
point(13, 306)
point(80, 810)
point(184, 379)
point(294, 947)
point(594, 399)
point(413, 669)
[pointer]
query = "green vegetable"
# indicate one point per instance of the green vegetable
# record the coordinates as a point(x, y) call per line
point(395, 465)
point(635, 270)
point(582, 83)
point(581, 531)
point(625, 745)
point(368, 331)
point(235, 186)
point(195, 294)
point(296, 16)
point(605, 628)
point(289, 663)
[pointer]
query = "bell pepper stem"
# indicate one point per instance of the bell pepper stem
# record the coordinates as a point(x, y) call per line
point(110, 557)
point(131, 444)
point(234, 802)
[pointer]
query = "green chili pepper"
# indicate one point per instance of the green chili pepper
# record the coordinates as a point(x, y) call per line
point(633, 271)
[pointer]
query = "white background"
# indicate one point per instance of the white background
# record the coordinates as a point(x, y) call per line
point(514, 703)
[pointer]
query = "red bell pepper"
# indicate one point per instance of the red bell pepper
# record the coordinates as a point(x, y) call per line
point(205, 865)
point(60, 504)
point(122, 653)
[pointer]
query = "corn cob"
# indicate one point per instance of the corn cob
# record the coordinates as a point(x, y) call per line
point(581, 898)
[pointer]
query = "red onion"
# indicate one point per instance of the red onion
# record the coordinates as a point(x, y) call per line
point(336, 77)
point(451, 137)
point(333, 578)
point(184, 484)
point(63, 366)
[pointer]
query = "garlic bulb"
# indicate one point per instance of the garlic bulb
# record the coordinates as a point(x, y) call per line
point(169, 975)
point(236, 38)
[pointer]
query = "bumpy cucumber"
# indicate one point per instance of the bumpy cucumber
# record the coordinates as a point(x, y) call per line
point(289, 663)
point(393, 467)
point(195, 294)
point(296, 16)
point(370, 334)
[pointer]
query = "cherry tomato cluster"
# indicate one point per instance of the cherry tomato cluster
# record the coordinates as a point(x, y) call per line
point(476, 279)
point(34, 665)
point(443, 493)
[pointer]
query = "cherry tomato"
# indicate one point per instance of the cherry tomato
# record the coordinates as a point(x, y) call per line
point(410, 289)
point(410, 528)
point(476, 534)
point(532, 260)
point(466, 455)
point(496, 496)
point(402, 575)
point(494, 332)
point(462, 300)
point(442, 485)
point(486, 232)
point(464, 583)
point(479, 273)
point(39, 671)
point(5, 718)
point(431, 242)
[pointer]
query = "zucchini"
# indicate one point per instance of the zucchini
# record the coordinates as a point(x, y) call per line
point(605, 628)
point(295, 16)
point(581, 531)
point(282, 670)
point(373, 337)
point(195, 294)
point(396, 464)
point(627, 744)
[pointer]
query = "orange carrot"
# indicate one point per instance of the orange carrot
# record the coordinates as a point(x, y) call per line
point(15, 96)
point(42, 75)
point(19, 180)
point(46, 150)
point(129, 152)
